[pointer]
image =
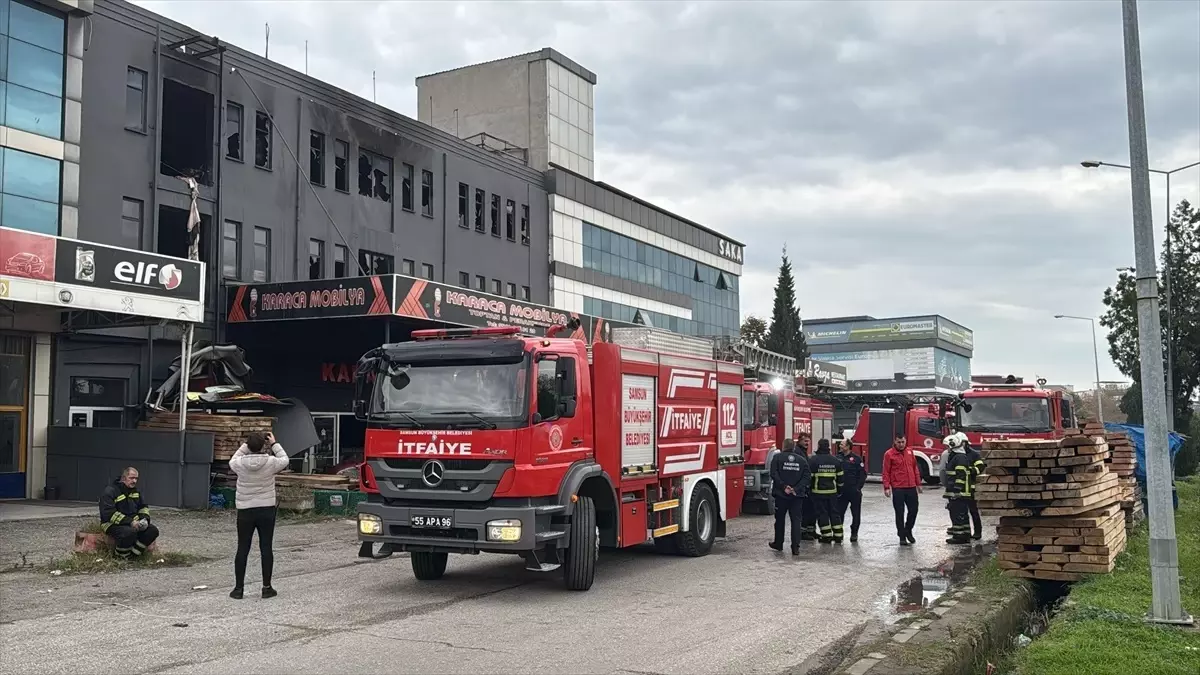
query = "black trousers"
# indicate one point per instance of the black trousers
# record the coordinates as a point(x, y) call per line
point(829, 517)
point(129, 541)
point(853, 501)
point(960, 527)
point(788, 507)
point(905, 499)
point(809, 520)
point(249, 521)
point(976, 521)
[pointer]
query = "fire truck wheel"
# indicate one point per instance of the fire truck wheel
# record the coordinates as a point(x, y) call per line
point(583, 547)
point(698, 540)
point(428, 566)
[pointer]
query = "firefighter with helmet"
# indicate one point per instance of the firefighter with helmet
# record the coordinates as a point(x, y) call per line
point(789, 485)
point(959, 482)
point(977, 467)
point(828, 480)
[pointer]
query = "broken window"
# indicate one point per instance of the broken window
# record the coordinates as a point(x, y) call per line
point(427, 271)
point(135, 99)
point(341, 166)
point(341, 261)
point(406, 188)
point(427, 193)
point(464, 203)
point(316, 157)
point(525, 224)
point(262, 140)
point(480, 195)
point(495, 215)
point(316, 259)
point(376, 263)
point(722, 285)
point(234, 115)
point(173, 238)
point(407, 267)
point(187, 132)
point(374, 175)
point(696, 273)
point(231, 249)
point(510, 220)
point(262, 255)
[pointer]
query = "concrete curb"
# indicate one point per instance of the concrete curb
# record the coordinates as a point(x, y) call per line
point(945, 627)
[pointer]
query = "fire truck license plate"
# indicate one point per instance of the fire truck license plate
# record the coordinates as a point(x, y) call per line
point(433, 522)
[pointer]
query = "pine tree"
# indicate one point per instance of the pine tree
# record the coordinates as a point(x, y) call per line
point(786, 335)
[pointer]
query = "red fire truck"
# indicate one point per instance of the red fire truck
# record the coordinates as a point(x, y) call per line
point(999, 412)
point(488, 441)
point(923, 423)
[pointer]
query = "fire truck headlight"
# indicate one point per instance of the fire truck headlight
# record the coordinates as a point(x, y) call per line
point(749, 480)
point(504, 530)
point(369, 524)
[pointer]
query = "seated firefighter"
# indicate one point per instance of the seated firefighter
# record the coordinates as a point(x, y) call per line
point(125, 517)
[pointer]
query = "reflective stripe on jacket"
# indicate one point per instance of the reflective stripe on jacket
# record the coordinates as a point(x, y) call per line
point(828, 476)
point(119, 505)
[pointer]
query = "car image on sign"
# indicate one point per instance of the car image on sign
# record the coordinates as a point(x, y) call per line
point(433, 522)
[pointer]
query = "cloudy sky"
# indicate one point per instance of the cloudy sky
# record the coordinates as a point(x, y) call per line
point(917, 157)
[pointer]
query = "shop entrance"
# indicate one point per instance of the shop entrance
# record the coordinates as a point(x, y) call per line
point(14, 413)
point(341, 445)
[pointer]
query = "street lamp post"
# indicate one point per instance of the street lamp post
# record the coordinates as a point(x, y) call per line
point(1096, 356)
point(1093, 164)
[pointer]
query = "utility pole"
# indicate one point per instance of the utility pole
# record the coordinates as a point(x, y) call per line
point(1166, 606)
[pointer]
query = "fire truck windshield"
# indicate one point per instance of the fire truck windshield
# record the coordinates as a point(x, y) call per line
point(1006, 413)
point(482, 392)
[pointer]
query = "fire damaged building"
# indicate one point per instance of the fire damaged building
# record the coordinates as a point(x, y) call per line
point(329, 225)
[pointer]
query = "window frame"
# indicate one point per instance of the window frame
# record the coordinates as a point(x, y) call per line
point(141, 219)
point(237, 249)
point(480, 210)
point(407, 176)
point(495, 213)
point(343, 252)
point(427, 271)
point(316, 160)
point(426, 199)
point(480, 283)
point(339, 144)
point(497, 288)
point(369, 260)
point(510, 290)
point(525, 294)
point(408, 267)
point(320, 262)
point(525, 225)
point(267, 257)
point(270, 136)
point(464, 280)
point(464, 205)
point(241, 124)
point(510, 219)
point(145, 80)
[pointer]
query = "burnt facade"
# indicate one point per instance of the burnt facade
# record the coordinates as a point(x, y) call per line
point(297, 180)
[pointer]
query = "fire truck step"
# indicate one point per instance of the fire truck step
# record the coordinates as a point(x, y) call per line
point(534, 563)
point(664, 531)
point(550, 534)
point(664, 505)
point(637, 470)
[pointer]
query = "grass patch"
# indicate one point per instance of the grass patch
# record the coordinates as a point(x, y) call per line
point(989, 581)
point(1100, 630)
point(104, 562)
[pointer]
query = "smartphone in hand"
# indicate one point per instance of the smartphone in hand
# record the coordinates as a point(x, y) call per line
point(270, 439)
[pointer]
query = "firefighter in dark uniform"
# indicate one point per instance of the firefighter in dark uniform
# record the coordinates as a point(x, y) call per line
point(856, 478)
point(828, 478)
point(125, 517)
point(789, 484)
point(959, 482)
point(808, 523)
point(977, 466)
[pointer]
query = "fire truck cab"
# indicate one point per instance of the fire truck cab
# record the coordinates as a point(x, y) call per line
point(489, 441)
point(1015, 410)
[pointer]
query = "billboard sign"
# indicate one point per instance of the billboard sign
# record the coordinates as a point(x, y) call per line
point(904, 370)
point(81, 275)
point(313, 299)
point(831, 375)
point(885, 330)
point(955, 334)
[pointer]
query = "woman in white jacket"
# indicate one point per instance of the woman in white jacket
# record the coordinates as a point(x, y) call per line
point(256, 463)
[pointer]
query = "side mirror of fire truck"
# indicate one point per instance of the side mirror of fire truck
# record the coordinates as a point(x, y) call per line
point(363, 378)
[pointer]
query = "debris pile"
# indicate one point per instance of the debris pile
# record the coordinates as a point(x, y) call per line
point(1059, 505)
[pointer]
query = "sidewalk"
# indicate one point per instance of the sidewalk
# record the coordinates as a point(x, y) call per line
point(35, 509)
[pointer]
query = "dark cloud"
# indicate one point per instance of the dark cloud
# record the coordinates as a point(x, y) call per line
point(916, 156)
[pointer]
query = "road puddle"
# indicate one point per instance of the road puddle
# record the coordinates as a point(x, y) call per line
point(929, 584)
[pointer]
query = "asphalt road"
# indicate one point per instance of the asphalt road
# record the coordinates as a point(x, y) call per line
point(742, 609)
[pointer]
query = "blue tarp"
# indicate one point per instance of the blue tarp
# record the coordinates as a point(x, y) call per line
point(1137, 436)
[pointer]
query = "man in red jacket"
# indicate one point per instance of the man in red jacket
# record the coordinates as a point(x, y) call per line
point(902, 482)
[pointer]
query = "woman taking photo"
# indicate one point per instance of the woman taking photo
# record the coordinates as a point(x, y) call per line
point(256, 463)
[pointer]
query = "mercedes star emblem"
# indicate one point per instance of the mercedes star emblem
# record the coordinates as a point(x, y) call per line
point(432, 473)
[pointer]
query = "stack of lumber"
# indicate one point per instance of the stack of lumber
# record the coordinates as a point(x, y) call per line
point(229, 431)
point(1123, 462)
point(1059, 506)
